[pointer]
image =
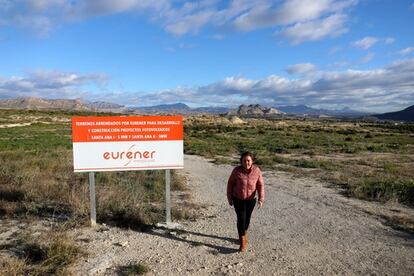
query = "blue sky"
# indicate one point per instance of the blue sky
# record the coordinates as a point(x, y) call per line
point(321, 53)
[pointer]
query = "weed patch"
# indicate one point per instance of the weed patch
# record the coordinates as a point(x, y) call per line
point(52, 254)
point(133, 269)
point(286, 145)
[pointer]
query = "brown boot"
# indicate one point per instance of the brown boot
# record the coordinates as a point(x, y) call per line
point(243, 243)
point(240, 242)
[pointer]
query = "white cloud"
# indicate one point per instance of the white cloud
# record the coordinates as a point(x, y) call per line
point(267, 13)
point(190, 24)
point(301, 68)
point(367, 58)
point(184, 17)
point(331, 26)
point(264, 14)
point(42, 16)
point(42, 5)
point(389, 40)
point(376, 90)
point(49, 84)
point(365, 43)
point(335, 50)
point(406, 51)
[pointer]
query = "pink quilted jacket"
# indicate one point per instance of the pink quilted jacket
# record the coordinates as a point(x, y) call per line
point(243, 184)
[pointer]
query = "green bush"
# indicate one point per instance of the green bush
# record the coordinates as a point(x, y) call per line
point(386, 189)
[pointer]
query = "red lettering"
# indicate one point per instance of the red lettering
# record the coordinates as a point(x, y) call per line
point(129, 154)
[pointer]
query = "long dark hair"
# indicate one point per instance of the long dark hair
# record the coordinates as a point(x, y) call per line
point(246, 153)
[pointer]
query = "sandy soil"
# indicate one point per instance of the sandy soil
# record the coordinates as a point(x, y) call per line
point(304, 228)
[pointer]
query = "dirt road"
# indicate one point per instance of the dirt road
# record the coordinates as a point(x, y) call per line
point(303, 229)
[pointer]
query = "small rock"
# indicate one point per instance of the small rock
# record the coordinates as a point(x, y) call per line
point(36, 234)
point(229, 266)
point(122, 244)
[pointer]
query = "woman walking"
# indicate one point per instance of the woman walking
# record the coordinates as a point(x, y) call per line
point(244, 181)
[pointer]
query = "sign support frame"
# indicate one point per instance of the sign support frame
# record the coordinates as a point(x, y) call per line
point(92, 198)
point(167, 197)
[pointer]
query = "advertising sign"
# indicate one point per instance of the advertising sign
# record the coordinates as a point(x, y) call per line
point(122, 143)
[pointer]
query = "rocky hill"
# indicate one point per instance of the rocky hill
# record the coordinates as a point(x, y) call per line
point(255, 110)
point(38, 103)
point(105, 105)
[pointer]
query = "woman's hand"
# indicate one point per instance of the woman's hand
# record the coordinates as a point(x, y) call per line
point(260, 204)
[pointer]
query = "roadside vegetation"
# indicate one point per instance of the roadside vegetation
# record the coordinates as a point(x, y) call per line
point(372, 161)
point(51, 253)
point(37, 182)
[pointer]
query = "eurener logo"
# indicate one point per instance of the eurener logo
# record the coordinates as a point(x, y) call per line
point(129, 155)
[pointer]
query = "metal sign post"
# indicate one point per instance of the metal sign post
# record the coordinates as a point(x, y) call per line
point(167, 197)
point(92, 198)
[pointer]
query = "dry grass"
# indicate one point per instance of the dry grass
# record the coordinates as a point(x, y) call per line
point(37, 182)
point(13, 267)
point(50, 254)
point(372, 161)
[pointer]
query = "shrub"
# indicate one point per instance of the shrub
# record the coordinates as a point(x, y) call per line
point(51, 254)
point(303, 163)
point(386, 189)
point(133, 269)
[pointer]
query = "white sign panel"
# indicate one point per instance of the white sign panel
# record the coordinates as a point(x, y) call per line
point(127, 143)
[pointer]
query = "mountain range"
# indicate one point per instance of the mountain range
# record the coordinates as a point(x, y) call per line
point(181, 108)
point(309, 111)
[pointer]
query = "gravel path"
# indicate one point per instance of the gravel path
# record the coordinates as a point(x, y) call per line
point(304, 228)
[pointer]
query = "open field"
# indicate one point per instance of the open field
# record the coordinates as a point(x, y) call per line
point(370, 161)
point(37, 182)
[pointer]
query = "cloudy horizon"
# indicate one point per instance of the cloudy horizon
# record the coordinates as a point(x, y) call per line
point(323, 53)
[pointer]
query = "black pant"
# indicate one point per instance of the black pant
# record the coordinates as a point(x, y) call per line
point(244, 209)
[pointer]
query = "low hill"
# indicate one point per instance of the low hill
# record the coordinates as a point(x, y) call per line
point(34, 103)
point(403, 115)
point(303, 110)
point(38, 103)
point(163, 108)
